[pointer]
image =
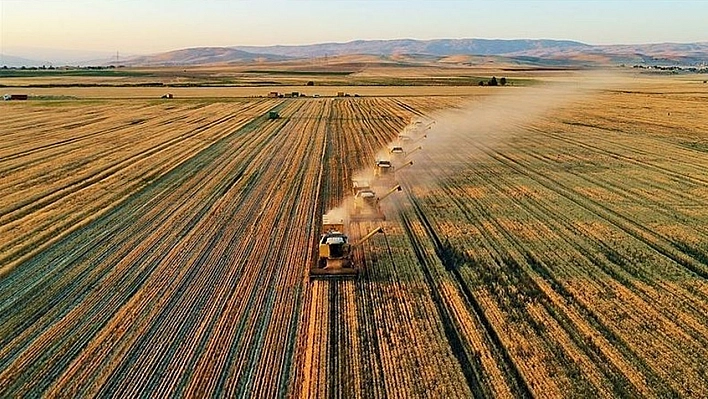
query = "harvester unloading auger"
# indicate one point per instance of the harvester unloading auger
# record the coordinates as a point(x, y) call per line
point(413, 151)
point(405, 165)
point(335, 253)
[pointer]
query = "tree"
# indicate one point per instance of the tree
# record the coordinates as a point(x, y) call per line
point(310, 83)
point(502, 81)
point(492, 81)
point(481, 83)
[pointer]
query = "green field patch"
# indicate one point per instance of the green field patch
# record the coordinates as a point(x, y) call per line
point(31, 73)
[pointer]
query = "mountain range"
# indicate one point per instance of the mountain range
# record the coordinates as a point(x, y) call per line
point(520, 51)
point(439, 47)
point(523, 51)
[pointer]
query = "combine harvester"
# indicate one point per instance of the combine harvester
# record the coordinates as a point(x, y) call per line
point(367, 206)
point(385, 171)
point(415, 132)
point(335, 253)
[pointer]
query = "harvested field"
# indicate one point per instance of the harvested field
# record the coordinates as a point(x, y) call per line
point(221, 93)
point(161, 248)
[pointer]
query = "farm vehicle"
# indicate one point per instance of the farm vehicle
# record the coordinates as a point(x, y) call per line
point(367, 206)
point(335, 253)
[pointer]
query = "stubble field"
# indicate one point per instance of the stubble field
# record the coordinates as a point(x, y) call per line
point(161, 248)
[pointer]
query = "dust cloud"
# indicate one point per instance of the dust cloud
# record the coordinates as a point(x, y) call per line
point(459, 134)
point(339, 213)
point(456, 136)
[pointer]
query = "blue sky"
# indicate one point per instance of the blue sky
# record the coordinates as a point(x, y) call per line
point(144, 26)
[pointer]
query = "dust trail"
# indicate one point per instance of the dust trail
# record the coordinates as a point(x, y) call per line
point(340, 213)
point(489, 122)
point(456, 134)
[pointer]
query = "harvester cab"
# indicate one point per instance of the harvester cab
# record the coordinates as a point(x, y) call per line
point(334, 258)
point(334, 250)
point(397, 151)
point(404, 138)
point(360, 185)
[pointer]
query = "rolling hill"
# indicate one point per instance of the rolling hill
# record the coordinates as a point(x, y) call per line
point(522, 51)
point(439, 47)
point(201, 56)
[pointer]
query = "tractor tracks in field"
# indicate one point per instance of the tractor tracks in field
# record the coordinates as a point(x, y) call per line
point(471, 367)
point(621, 385)
point(107, 176)
point(56, 279)
point(640, 232)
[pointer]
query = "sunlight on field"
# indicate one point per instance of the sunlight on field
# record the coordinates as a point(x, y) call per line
point(549, 240)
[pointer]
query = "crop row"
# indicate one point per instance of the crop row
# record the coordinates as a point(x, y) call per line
point(581, 292)
point(377, 336)
point(64, 169)
point(161, 249)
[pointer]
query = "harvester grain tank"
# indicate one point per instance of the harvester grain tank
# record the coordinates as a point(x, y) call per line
point(407, 164)
point(365, 206)
point(335, 252)
point(397, 151)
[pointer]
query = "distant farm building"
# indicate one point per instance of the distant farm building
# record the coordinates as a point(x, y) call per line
point(274, 94)
point(9, 97)
point(168, 95)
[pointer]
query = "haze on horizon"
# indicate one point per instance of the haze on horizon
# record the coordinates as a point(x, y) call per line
point(142, 27)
